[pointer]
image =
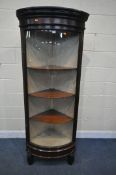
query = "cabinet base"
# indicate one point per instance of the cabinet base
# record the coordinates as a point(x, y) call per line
point(59, 152)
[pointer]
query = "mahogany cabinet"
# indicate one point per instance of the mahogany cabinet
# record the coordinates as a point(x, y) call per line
point(52, 44)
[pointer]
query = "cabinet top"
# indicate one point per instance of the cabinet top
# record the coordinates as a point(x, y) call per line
point(52, 11)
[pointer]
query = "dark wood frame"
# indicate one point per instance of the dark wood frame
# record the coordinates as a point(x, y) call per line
point(70, 20)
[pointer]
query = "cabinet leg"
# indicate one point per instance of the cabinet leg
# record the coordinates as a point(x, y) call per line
point(29, 158)
point(70, 159)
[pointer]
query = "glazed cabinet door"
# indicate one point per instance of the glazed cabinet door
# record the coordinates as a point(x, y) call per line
point(51, 64)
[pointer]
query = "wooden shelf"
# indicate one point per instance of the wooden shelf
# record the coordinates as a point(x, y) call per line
point(51, 93)
point(52, 116)
point(51, 67)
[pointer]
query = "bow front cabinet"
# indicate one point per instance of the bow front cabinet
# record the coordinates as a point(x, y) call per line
point(52, 44)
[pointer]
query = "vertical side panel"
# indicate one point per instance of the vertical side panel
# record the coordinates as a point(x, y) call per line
point(79, 63)
point(25, 88)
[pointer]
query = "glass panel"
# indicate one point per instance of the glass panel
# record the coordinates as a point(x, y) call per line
point(51, 73)
point(46, 48)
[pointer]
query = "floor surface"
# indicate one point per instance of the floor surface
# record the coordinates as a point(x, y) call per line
point(93, 157)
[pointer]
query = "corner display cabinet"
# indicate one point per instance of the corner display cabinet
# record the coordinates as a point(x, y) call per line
point(52, 44)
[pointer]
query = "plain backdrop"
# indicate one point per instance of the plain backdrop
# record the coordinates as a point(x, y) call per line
point(97, 107)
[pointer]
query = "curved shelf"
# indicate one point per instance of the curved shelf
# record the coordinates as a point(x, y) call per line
point(52, 116)
point(51, 67)
point(51, 93)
